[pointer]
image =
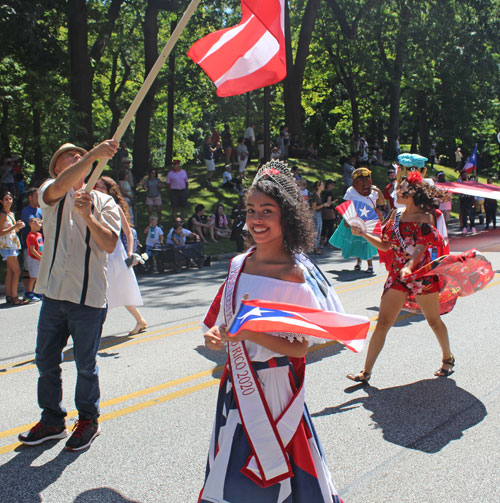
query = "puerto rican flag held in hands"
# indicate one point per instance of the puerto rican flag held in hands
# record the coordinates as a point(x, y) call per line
point(267, 316)
point(248, 56)
point(360, 214)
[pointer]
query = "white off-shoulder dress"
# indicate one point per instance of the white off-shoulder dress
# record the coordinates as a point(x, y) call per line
point(229, 447)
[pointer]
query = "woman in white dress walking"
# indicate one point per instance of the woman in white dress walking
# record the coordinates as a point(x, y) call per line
point(123, 289)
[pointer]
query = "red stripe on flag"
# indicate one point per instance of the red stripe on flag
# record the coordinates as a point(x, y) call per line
point(241, 63)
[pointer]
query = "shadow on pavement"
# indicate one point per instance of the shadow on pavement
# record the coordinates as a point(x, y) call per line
point(346, 275)
point(424, 416)
point(218, 357)
point(22, 482)
point(102, 495)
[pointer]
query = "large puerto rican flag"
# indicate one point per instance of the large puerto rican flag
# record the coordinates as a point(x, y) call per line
point(267, 316)
point(248, 56)
point(472, 188)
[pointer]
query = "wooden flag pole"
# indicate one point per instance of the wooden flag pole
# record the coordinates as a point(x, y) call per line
point(153, 73)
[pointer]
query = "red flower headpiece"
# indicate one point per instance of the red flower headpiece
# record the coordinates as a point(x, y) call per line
point(415, 177)
point(270, 171)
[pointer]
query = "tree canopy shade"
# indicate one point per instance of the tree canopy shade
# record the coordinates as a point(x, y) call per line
point(426, 71)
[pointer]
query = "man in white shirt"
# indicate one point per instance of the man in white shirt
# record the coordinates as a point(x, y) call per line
point(80, 229)
point(250, 139)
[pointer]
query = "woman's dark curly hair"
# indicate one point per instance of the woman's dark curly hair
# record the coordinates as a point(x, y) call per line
point(425, 196)
point(274, 179)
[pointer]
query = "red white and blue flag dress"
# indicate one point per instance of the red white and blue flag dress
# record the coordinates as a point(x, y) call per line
point(266, 451)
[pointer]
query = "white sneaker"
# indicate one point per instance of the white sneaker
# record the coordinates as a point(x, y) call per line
point(474, 230)
point(464, 230)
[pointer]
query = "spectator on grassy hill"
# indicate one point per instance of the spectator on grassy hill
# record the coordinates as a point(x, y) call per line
point(295, 173)
point(348, 169)
point(242, 154)
point(227, 144)
point(259, 141)
point(178, 185)
point(238, 220)
point(316, 204)
point(209, 159)
point(458, 159)
point(220, 221)
point(432, 155)
point(302, 185)
point(328, 211)
point(250, 139)
point(126, 191)
point(154, 234)
point(201, 225)
point(7, 181)
point(228, 182)
point(153, 185)
point(390, 189)
point(275, 154)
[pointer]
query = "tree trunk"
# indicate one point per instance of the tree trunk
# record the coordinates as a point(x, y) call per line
point(267, 121)
point(4, 129)
point(292, 85)
point(169, 145)
point(414, 136)
point(144, 113)
point(423, 125)
point(248, 105)
point(80, 74)
point(40, 170)
point(395, 76)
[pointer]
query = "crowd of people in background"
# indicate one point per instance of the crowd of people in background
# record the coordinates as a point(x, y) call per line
point(185, 236)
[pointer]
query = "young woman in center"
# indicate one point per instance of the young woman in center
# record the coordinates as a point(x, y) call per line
point(247, 435)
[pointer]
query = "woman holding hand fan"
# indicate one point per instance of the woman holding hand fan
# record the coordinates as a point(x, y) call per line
point(366, 198)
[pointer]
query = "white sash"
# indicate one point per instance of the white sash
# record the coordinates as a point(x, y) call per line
point(268, 439)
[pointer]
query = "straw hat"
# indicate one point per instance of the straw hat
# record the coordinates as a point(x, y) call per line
point(63, 148)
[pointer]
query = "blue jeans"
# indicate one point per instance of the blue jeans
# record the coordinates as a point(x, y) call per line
point(318, 224)
point(57, 321)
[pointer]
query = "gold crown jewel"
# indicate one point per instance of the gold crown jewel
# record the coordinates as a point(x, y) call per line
point(279, 173)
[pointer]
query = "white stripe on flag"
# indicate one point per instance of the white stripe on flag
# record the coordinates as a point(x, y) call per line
point(228, 35)
point(293, 322)
point(257, 57)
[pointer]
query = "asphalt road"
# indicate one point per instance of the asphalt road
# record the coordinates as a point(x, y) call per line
point(409, 437)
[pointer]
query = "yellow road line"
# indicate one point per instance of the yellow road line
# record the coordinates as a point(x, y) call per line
point(144, 337)
point(135, 408)
point(369, 282)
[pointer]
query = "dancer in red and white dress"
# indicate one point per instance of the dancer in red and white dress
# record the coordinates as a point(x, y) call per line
point(264, 447)
point(411, 235)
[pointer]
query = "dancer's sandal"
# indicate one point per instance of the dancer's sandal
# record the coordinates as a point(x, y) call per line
point(362, 377)
point(138, 329)
point(445, 372)
point(357, 267)
point(16, 301)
